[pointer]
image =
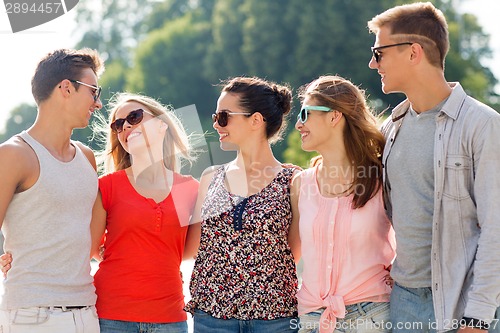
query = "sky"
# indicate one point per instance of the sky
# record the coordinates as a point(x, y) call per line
point(21, 51)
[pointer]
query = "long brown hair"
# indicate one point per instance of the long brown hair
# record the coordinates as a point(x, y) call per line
point(362, 139)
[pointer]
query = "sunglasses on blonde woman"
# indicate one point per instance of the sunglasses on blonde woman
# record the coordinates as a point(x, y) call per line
point(133, 118)
point(222, 117)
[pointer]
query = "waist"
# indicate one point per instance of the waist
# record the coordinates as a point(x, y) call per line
point(67, 308)
point(353, 310)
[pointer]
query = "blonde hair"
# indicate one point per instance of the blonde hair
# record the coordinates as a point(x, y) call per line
point(176, 143)
point(362, 139)
point(420, 23)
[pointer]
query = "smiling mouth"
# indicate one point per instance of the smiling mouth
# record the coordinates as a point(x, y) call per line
point(133, 135)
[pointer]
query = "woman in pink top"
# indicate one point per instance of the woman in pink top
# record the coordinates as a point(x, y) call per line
point(346, 239)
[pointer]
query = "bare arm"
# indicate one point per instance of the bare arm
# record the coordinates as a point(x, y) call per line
point(97, 226)
point(19, 170)
point(293, 233)
point(194, 231)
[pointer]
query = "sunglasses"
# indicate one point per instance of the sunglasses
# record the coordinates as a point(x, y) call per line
point(133, 118)
point(221, 117)
point(96, 90)
point(376, 50)
point(302, 117)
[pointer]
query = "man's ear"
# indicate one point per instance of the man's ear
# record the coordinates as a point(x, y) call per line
point(64, 86)
point(417, 53)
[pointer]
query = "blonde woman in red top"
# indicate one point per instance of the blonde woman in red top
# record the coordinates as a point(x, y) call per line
point(144, 206)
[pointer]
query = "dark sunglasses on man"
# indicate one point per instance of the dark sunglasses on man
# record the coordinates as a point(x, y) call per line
point(376, 50)
point(96, 90)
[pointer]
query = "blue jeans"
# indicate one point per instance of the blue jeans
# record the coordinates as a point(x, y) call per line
point(412, 310)
point(365, 317)
point(118, 326)
point(205, 323)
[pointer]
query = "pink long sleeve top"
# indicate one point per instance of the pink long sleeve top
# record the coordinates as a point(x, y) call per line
point(346, 252)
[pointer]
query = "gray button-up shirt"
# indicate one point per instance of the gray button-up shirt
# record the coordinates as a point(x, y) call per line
point(465, 260)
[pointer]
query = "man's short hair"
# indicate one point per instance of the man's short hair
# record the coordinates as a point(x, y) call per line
point(420, 23)
point(63, 64)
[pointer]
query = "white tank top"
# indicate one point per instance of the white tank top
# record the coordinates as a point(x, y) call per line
point(47, 230)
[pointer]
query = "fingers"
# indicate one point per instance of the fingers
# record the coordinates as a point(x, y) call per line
point(5, 269)
point(389, 281)
point(5, 263)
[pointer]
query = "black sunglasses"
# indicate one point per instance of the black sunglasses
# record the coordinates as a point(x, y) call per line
point(302, 117)
point(377, 54)
point(97, 90)
point(221, 117)
point(133, 118)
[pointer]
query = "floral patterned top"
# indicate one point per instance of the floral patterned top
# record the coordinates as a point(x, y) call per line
point(244, 268)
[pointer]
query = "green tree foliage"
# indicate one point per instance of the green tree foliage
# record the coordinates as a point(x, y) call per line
point(168, 66)
point(179, 50)
point(113, 26)
point(21, 118)
point(267, 39)
point(297, 156)
point(224, 55)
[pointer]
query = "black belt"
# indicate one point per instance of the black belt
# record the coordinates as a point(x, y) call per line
point(71, 307)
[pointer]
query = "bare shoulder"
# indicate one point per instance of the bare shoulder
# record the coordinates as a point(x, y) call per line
point(209, 172)
point(206, 177)
point(18, 163)
point(296, 180)
point(16, 151)
point(87, 152)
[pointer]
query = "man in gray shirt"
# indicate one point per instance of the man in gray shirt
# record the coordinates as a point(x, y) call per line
point(441, 180)
point(49, 186)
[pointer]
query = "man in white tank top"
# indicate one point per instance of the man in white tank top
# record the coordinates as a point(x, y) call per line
point(49, 185)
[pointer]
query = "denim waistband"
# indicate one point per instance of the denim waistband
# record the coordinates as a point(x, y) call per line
point(362, 308)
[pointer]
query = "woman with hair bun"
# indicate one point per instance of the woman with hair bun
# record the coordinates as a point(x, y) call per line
point(244, 277)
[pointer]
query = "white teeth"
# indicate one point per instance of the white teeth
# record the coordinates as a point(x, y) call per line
point(133, 135)
point(223, 135)
point(303, 135)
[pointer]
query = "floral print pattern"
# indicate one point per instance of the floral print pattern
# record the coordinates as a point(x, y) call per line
point(249, 273)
